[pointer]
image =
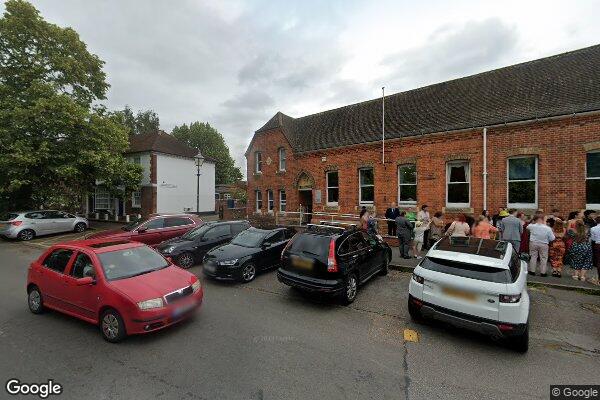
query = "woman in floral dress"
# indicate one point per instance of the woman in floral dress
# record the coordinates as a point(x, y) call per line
point(580, 253)
point(557, 248)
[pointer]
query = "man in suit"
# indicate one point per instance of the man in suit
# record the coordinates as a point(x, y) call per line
point(404, 228)
point(511, 228)
point(392, 213)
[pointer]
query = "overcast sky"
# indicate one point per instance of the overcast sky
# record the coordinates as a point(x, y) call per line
point(235, 64)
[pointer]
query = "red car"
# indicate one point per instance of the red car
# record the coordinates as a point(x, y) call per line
point(124, 287)
point(152, 230)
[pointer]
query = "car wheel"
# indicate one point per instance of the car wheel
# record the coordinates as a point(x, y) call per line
point(521, 343)
point(35, 300)
point(414, 312)
point(350, 289)
point(26, 234)
point(248, 272)
point(185, 260)
point(80, 227)
point(384, 268)
point(112, 326)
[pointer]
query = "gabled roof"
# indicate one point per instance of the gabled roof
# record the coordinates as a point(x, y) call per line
point(161, 142)
point(563, 84)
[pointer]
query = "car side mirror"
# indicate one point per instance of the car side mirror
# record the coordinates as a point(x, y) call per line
point(88, 280)
point(141, 230)
point(524, 257)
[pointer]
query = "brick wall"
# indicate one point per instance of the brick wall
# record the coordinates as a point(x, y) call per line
point(560, 146)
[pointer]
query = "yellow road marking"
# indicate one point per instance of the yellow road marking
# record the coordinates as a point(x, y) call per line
point(411, 336)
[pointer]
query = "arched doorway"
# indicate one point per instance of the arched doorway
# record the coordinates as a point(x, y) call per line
point(305, 184)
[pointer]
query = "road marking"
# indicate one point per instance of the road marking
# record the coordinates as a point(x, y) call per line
point(411, 336)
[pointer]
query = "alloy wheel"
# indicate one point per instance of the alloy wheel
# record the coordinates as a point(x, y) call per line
point(110, 326)
point(248, 272)
point(80, 227)
point(35, 300)
point(185, 260)
point(27, 234)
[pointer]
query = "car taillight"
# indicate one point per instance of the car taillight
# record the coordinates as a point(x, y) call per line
point(16, 223)
point(418, 279)
point(332, 265)
point(505, 327)
point(510, 298)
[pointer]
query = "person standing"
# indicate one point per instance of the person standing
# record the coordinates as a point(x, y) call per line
point(540, 236)
point(404, 230)
point(487, 216)
point(364, 218)
point(372, 224)
point(496, 217)
point(557, 248)
point(511, 228)
point(459, 227)
point(589, 218)
point(580, 254)
point(392, 213)
point(424, 217)
point(483, 229)
point(595, 237)
point(436, 228)
point(417, 244)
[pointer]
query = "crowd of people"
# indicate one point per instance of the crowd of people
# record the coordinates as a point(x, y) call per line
point(572, 241)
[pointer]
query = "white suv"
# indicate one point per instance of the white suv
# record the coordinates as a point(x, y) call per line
point(473, 283)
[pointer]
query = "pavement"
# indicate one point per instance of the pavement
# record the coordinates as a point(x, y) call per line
point(264, 340)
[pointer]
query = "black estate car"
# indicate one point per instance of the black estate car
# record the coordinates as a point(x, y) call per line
point(249, 252)
point(333, 260)
point(189, 249)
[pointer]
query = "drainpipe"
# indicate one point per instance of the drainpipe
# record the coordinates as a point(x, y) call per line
point(485, 168)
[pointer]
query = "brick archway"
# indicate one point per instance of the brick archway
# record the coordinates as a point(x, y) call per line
point(304, 180)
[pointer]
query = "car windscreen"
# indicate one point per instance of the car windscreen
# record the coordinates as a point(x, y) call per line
point(467, 270)
point(134, 224)
point(196, 232)
point(311, 245)
point(8, 216)
point(249, 238)
point(121, 264)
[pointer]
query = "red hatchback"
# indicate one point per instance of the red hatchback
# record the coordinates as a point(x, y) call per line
point(152, 230)
point(124, 287)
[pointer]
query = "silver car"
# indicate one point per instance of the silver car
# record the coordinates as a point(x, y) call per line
point(26, 225)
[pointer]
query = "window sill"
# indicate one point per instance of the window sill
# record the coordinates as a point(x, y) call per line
point(523, 206)
point(592, 207)
point(457, 209)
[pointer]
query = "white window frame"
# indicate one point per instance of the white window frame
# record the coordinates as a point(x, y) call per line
point(407, 203)
point(536, 180)
point(102, 196)
point(270, 201)
point(360, 186)
point(258, 199)
point(258, 162)
point(590, 206)
point(282, 200)
point(468, 175)
point(282, 159)
point(227, 196)
point(327, 187)
point(136, 199)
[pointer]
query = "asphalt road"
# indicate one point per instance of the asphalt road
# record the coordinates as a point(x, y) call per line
point(266, 341)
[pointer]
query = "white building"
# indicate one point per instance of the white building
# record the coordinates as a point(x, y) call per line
point(169, 179)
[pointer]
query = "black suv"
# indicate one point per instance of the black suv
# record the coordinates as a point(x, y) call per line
point(189, 249)
point(333, 260)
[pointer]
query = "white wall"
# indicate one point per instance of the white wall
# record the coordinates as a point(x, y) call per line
point(176, 184)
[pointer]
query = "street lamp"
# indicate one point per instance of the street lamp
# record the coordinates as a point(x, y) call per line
point(199, 160)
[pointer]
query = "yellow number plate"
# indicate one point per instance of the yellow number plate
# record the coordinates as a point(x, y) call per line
point(461, 294)
point(302, 263)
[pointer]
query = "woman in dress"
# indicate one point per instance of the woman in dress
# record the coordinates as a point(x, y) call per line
point(436, 229)
point(524, 247)
point(483, 229)
point(459, 227)
point(557, 248)
point(580, 253)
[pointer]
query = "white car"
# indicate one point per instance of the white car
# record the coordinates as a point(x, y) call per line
point(25, 225)
point(478, 284)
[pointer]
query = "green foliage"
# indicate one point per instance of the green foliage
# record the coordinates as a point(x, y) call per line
point(144, 122)
point(53, 143)
point(211, 144)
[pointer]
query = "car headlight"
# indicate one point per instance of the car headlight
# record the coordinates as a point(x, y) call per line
point(168, 249)
point(152, 303)
point(196, 286)
point(228, 262)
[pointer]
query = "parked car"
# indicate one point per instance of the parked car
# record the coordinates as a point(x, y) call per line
point(189, 249)
point(152, 230)
point(25, 225)
point(124, 287)
point(251, 251)
point(479, 284)
point(333, 259)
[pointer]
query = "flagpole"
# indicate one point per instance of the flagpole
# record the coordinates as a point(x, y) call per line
point(383, 124)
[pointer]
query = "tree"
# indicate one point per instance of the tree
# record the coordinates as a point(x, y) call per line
point(53, 144)
point(143, 122)
point(211, 144)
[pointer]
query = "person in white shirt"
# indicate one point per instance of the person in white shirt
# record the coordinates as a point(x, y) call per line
point(540, 235)
point(595, 238)
point(424, 217)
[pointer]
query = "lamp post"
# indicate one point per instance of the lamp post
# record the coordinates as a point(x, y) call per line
point(199, 160)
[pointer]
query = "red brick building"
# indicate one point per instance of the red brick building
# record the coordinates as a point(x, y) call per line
point(524, 136)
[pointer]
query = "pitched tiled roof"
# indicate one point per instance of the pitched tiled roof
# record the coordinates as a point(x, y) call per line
point(563, 84)
point(161, 142)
